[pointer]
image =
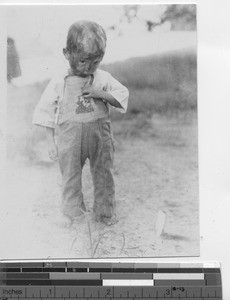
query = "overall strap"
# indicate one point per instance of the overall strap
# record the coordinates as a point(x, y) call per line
point(59, 101)
point(91, 78)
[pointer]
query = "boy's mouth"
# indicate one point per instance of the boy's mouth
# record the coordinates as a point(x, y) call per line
point(81, 73)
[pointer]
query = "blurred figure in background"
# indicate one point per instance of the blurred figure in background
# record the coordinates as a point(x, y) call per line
point(13, 66)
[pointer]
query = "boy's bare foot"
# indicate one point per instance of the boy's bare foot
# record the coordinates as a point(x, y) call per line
point(68, 221)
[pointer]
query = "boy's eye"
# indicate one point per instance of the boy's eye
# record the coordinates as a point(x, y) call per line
point(96, 62)
point(82, 61)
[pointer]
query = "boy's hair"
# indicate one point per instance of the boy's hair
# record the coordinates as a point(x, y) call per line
point(86, 37)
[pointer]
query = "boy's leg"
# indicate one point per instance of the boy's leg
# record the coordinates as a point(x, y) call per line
point(70, 161)
point(101, 152)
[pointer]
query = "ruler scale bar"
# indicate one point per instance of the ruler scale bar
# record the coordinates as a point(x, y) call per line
point(81, 280)
point(116, 292)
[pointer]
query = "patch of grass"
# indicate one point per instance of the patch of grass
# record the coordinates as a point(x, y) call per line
point(97, 241)
point(149, 101)
point(159, 72)
point(158, 84)
point(137, 127)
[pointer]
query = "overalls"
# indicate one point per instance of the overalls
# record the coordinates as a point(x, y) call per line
point(84, 132)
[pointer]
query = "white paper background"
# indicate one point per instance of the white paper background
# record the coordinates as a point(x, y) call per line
point(214, 127)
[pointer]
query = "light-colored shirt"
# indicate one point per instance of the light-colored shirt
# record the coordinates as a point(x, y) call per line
point(46, 111)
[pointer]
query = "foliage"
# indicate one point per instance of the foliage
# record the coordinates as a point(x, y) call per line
point(181, 16)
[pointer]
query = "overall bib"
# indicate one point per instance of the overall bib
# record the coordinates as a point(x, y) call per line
point(84, 132)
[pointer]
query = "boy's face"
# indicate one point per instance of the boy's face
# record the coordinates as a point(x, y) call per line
point(82, 64)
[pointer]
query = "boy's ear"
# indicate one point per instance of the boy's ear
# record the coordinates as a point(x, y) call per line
point(66, 53)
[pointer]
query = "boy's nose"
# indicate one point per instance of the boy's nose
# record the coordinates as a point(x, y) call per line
point(89, 66)
point(88, 69)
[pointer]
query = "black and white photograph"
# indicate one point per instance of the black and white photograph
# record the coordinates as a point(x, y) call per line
point(102, 132)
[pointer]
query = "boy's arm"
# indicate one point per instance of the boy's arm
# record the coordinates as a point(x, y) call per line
point(115, 93)
point(45, 111)
point(52, 148)
point(95, 92)
point(45, 115)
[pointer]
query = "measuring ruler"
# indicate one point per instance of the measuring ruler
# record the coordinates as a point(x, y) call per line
point(43, 280)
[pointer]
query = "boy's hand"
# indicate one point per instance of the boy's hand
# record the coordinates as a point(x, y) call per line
point(52, 151)
point(91, 91)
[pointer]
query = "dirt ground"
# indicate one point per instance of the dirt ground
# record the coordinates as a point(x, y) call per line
point(156, 174)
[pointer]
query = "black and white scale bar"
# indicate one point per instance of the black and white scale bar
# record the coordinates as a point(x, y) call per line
point(47, 282)
point(107, 278)
point(109, 282)
point(107, 270)
point(71, 266)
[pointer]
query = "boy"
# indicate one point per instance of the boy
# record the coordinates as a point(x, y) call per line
point(78, 102)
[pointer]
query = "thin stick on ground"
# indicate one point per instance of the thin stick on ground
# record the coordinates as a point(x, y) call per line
point(90, 234)
point(74, 241)
point(123, 245)
point(98, 242)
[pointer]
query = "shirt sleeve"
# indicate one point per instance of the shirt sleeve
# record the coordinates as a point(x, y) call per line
point(45, 111)
point(119, 92)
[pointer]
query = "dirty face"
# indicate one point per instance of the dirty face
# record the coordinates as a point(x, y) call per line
point(85, 47)
point(82, 64)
